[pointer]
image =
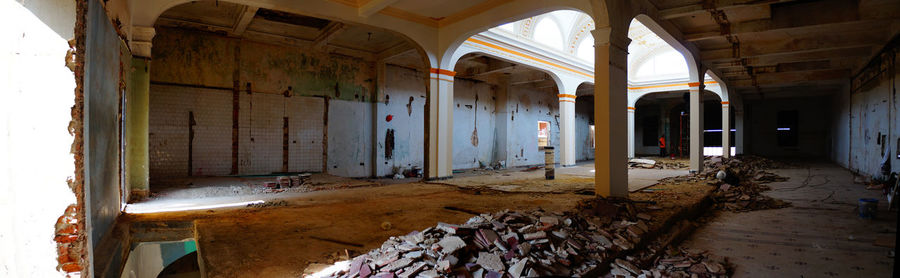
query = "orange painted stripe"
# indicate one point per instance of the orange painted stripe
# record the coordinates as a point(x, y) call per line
point(566, 95)
point(443, 71)
point(630, 108)
point(526, 56)
point(724, 102)
point(566, 100)
point(694, 84)
point(669, 85)
point(438, 78)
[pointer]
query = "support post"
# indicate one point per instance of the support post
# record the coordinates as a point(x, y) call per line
point(137, 117)
point(610, 102)
point(440, 125)
point(567, 129)
point(696, 117)
point(631, 111)
point(738, 130)
point(726, 130)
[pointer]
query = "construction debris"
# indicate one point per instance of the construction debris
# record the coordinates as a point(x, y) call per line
point(655, 164)
point(510, 244)
point(677, 262)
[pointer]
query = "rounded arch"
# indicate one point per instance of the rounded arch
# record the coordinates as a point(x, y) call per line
point(633, 98)
point(585, 88)
point(468, 51)
point(720, 87)
point(453, 36)
point(658, 30)
point(549, 32)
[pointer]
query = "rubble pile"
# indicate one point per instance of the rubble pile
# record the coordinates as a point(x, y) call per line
point(653, 164)
point(510, 244)
point(677, 262)
point(745, 178)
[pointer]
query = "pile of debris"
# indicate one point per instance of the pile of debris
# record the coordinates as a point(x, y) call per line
point(740, 181)
point(653, 164)
point(677, 262)
point(509, 244)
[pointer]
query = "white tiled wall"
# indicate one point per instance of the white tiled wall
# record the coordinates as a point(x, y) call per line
point(260, 125)
point(265, 132)
point(305, 126)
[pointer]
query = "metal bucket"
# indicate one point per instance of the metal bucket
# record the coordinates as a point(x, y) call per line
point(867, 208)
point(549, 163)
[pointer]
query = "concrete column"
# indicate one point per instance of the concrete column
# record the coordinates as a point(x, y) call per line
point(696, 135)
point(631, 132)
point(726, 130)
point(379, 165)
point(440, 125)
point(567, 129)
point(738, 130)
point(501, 126)
point(137, 117)
point(610, 102)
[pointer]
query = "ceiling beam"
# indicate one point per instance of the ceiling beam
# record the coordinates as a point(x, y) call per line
point(794, 78)
point(702, 9)
point(796, 45)
point(768, 25)
point(397, 50)
point(264, 37)
point(774, 59)
point(374, 6)
point(329, 32)
point(243, 21)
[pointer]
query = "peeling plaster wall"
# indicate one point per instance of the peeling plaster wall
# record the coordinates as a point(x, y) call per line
point(103, 62)
point(200, 71)
point(584, 118)
point(873, 111)
point(36, 97)
point(404, 101)
point(473, 124)
point(349, 138)
point(527, 106)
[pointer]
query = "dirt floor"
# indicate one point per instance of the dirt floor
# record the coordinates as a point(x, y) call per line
point(280, 240)
point(577, 178)
point(281, 233)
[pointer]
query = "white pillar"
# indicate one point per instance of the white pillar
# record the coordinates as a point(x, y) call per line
point(738, 130)
point(567, 129)
point(440, 125)
point(610, 102)
point(726, 130)
point(630, 132)
point(696, 136)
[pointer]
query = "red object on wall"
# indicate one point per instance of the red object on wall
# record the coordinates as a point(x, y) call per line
point(389, 118)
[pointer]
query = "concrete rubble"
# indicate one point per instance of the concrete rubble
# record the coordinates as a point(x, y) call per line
point(512, 244)
point(654, 164)
point(744, 181)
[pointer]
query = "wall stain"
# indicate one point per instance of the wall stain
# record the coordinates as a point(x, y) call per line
point(409, 106)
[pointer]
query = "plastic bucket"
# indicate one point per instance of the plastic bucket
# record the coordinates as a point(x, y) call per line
point(867, 208)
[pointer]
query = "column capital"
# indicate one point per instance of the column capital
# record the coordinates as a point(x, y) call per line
point(566, 98)
point(142, 41)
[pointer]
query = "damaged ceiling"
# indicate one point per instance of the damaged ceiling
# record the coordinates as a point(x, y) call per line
point(779, 45)
point(271, 26)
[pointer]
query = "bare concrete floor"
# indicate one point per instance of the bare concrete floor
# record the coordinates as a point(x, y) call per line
point(819, 236)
